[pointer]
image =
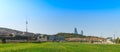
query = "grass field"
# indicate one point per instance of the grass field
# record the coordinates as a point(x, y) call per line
point(58, 47)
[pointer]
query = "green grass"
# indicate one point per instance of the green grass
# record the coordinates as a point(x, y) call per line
point(58, 47)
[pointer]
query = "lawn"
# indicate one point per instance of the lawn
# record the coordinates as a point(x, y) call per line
point(58, 47)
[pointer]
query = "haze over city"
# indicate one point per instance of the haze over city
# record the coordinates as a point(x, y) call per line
point(97, 18)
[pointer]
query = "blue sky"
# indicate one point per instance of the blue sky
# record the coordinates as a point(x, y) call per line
point(94, 17)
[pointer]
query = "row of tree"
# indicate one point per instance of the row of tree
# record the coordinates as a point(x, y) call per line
point(70, 35)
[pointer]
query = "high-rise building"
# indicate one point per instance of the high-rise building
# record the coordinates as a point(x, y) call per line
point(82, 32)
point(75, 31)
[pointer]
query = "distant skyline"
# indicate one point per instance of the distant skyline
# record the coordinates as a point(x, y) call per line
point(94, 17)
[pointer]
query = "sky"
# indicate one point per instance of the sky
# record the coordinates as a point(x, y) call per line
point(95, 17)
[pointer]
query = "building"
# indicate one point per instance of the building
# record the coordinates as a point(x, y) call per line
point(56, 38)
point(41, 38)
point(75, 31)
point(82, 32)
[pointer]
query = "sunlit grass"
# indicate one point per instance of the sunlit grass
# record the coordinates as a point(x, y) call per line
point(58, 47)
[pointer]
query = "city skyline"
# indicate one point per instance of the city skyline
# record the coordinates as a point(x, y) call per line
point(96, 18)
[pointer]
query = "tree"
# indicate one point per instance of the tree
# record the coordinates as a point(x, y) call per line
point(3, 40)
point(117, 41)
point(70, 35)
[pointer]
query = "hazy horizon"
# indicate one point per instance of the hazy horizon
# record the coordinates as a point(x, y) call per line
point(94, 17)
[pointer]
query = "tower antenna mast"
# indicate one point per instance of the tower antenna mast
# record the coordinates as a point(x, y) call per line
point(26, 25)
